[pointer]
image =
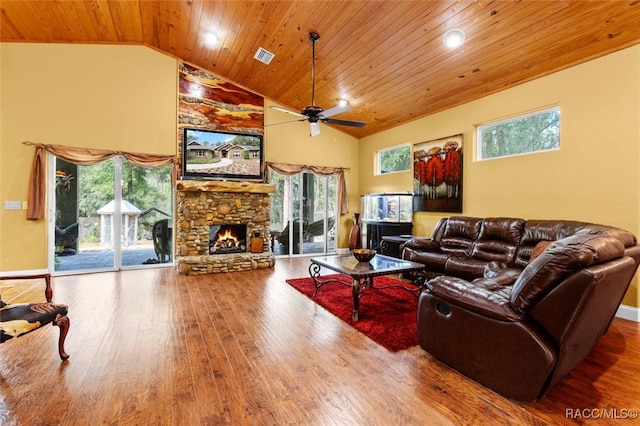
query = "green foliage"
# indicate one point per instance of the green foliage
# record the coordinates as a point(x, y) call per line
point(394, 160)
point(277, 198)
point(142, 187)
point(204, 160)
point(538, 132)
point(95, 186)
point(245, 141)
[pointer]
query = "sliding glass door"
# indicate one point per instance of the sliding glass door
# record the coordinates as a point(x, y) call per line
point(109, 216)
point(303, 213)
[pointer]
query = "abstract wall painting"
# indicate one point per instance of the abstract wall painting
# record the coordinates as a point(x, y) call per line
point(437, 175)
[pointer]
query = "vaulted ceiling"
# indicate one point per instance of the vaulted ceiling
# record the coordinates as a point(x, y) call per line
point(386, 57)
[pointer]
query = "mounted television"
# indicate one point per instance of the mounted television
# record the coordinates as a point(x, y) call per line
point(217, 155)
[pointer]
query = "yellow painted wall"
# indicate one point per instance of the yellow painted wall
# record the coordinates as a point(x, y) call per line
point(94, 96)
point(115, 97)
point(594, 176)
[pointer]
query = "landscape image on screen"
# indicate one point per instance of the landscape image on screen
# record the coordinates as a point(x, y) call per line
point(222, 155)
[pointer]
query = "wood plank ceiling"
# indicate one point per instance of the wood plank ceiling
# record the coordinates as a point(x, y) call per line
point(386, 57)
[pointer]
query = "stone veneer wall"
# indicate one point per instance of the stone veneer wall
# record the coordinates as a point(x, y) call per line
point(202, 204)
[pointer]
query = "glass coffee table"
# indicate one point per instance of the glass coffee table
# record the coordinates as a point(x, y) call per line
point(361, 273)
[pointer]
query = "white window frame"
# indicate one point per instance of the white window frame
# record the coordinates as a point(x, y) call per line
point(481, 127)
point(378, 157)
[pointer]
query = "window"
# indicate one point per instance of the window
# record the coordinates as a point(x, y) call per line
point(391, 160)
point(534, 132)
point(303, 212)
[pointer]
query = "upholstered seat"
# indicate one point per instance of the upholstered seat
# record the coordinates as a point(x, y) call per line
point(19, 319)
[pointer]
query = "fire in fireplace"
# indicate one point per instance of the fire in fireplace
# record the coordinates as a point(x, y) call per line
point(224, 239)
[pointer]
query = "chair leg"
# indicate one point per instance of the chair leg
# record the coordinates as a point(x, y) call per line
point(63, 323)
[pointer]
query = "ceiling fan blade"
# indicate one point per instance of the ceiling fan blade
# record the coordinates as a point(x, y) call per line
point(277, 108)
point(314, 129)
point(335, 110)
point(344, 122)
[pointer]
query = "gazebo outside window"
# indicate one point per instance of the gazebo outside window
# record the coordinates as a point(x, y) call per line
point(129, 232)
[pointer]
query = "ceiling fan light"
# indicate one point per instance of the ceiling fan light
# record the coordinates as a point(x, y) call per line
point(453, 38)
point(314, 129)
point(343, 102)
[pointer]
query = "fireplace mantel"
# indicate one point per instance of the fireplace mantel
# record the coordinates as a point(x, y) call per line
point(201, 204)
point(225, 186)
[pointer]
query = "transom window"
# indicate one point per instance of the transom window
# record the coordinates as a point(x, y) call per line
point(392, 160)
point(533, 132)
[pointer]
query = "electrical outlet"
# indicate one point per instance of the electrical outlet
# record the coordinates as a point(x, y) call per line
point(12, 205)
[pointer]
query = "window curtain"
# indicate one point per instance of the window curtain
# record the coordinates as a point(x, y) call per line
point(85, 157)
point(293, 169)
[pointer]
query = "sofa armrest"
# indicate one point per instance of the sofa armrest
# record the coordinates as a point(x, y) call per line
point(483, 296)
point(422, 244)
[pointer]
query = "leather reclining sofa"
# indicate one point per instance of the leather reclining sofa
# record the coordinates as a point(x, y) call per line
point(515, 304)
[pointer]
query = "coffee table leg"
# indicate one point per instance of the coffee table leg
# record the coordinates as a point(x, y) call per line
point(314, 271)
point(355, 291)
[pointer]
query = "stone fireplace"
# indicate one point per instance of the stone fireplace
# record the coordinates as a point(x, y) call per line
point(203, 206)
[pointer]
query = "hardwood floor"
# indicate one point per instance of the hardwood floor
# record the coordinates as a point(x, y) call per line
point(154, 347)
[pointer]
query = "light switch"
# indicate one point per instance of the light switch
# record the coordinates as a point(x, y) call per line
point(12, 205)
point(25, 205)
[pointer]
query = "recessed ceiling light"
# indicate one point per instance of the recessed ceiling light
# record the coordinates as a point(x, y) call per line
point(210, 39)
point(453, 38)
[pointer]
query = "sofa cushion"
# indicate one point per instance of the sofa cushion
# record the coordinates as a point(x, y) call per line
point(464, 267)
point(481, 299)
point(543, 230)
point(498, 239)
point(625, 237)
point(562, 258)
point(459, 234)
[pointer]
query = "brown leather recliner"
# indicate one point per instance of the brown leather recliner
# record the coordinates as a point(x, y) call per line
point(520, 331)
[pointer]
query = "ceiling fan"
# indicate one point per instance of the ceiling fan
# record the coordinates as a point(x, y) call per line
point(313, 113)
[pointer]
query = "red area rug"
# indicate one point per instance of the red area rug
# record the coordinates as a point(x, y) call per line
point(387, 316)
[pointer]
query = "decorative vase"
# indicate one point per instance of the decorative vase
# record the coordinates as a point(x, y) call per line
point(354, 235)
point(257, 244)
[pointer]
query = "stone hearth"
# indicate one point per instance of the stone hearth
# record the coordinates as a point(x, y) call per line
point(205, 203)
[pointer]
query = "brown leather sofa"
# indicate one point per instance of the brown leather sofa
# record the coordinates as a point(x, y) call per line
point(514, 322)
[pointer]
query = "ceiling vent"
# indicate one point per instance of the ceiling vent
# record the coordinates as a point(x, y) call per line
point(264, 56)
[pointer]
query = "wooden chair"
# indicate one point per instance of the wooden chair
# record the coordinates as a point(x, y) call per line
point(19, 319)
